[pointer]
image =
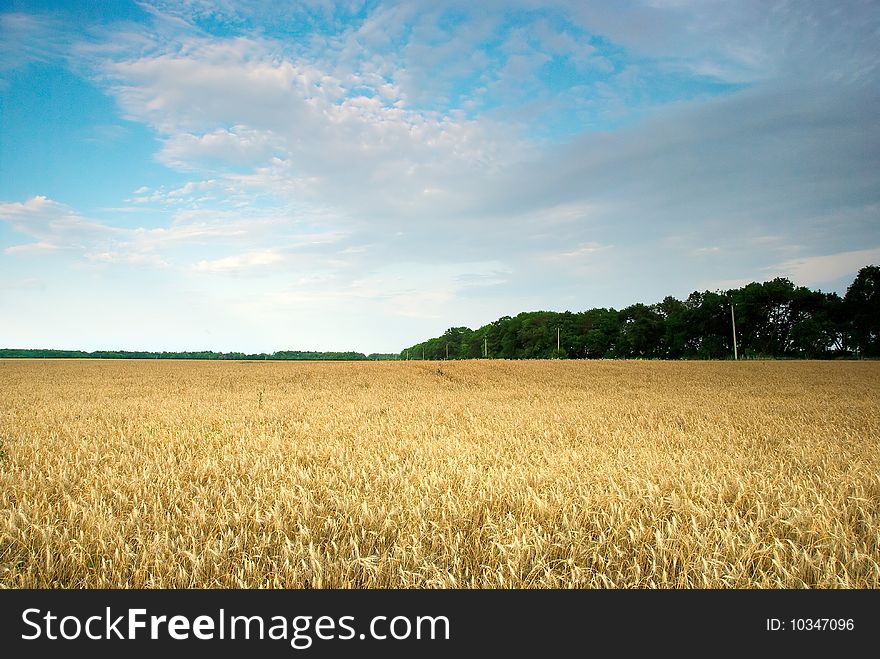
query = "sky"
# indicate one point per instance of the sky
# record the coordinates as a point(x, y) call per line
point(317, 175)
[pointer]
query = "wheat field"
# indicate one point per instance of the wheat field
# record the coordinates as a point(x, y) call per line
point(533, 474)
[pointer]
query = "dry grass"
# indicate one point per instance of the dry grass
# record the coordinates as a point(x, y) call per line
point(425, 474)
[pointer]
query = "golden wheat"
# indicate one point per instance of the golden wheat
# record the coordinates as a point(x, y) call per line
point(132, 474)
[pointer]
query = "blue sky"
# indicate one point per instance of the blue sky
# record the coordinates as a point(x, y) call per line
point(363, 175)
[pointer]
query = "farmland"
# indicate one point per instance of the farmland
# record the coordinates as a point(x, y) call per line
point(526, 474)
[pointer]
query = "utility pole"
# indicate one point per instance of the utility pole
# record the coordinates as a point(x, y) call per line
point(557, 339)
point(733, 325)
point(485, 347)
point(447, 352)
point(423, 354)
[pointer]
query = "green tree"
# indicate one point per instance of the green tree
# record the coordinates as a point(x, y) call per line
point(674, 317)
point(641, 332)
point(862, 304)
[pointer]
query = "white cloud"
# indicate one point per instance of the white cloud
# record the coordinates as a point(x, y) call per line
point(293, 122)
point(26, 38)
point(305, 133)
point(821, 269)
point(403, 289)
point(59, 229)
point(126, 258)
point(744, 41)
point(31, 248)
point(52, 224)
point(581, 251)
point(240, 262)
point(236, 147)
point(27, 284)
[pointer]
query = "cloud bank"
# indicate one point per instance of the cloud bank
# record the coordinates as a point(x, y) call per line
point(425, 165)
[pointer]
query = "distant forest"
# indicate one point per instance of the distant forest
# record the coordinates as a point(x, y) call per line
point(774, 319)
point(284, 355)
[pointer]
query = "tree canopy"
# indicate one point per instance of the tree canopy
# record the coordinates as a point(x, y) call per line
point(774, 319)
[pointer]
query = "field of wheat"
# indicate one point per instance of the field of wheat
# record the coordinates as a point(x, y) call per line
point(539, 474)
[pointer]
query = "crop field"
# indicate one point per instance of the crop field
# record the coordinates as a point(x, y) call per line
point(529, 474)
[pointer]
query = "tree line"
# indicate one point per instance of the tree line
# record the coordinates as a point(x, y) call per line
point(774, 319)
point(283, 355)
